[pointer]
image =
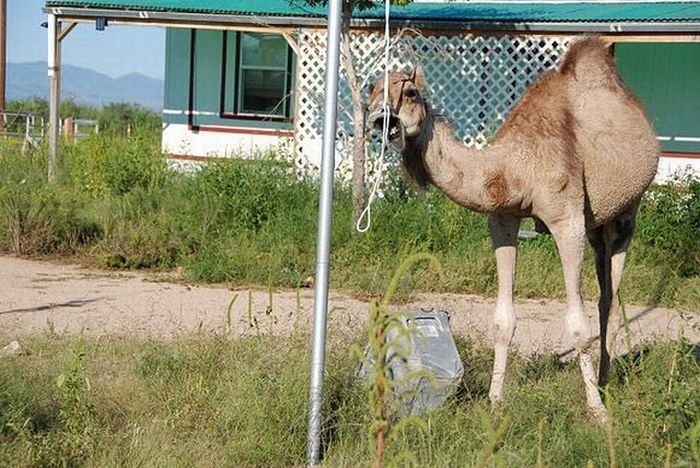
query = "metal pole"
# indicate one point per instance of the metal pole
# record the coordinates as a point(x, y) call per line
point(323, 246)
point(54, 60)
point(3, 55)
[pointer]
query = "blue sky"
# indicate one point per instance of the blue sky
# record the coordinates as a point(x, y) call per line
point(117, 51)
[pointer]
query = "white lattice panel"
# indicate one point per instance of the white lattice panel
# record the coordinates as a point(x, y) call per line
point(473, 81)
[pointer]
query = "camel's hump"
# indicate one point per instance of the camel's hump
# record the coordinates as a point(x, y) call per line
point(589, 62)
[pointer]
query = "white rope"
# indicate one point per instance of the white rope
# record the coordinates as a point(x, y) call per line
point(367, 212)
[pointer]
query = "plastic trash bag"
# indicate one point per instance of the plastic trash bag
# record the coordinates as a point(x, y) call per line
point(429, 373)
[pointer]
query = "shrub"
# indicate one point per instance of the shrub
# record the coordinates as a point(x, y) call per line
point(116, 165)
point(115, 117)
point(669, 221)
point(36, 218)
point(254, 221)
point(245, 194)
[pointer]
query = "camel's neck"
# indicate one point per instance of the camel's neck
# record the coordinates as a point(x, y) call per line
point(470, 177)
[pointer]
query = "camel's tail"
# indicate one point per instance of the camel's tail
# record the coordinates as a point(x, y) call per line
point(589, 62)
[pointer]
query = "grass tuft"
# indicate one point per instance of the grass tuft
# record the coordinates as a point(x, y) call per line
point(214, 401)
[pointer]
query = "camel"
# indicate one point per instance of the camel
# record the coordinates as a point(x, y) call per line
point(576, 153)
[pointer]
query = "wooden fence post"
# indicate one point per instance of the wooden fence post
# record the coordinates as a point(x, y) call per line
point(69, 130)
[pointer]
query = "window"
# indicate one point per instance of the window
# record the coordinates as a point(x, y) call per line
point(262, 75)
point(258, 81)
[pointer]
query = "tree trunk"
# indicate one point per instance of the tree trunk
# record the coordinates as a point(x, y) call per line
point(358, 124)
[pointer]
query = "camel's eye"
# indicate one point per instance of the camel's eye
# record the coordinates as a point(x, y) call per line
point(410, 93)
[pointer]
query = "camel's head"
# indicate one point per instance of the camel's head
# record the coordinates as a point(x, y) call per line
point(407, 109)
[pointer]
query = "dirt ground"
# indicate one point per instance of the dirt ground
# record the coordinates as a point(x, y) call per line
point(39, 296)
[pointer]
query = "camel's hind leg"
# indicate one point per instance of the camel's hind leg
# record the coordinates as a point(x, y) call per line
point(570, 236)
point(504, 233)
point(610, 243)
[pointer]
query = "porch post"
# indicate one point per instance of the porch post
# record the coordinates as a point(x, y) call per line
point(3, 57)
point(323, 239)
point(54, 61)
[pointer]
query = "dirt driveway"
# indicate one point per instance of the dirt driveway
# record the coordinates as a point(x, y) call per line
point(36, 296)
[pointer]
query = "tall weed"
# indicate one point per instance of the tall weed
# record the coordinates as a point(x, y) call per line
point(388, 336)
point(76, 411)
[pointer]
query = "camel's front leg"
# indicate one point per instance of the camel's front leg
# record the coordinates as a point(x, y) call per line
point(570, 237)
point(504, 233)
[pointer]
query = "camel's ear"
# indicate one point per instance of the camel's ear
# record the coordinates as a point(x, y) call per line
point(418, 77)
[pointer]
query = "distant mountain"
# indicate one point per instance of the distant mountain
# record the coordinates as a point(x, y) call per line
point(84, 85)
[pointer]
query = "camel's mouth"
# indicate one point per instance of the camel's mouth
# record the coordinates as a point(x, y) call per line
point(396, 132)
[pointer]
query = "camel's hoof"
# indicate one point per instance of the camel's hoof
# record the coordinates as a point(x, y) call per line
point(496, 402)
point(599, 415)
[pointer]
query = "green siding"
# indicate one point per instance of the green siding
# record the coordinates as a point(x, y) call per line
point(207, 77)
point(231, 45)
point(666, 77)
point(206, 87)
point(177, 70)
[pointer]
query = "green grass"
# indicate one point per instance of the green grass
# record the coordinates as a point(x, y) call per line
point(117, 205)
point(208, 401)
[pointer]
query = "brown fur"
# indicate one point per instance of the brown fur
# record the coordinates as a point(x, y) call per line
point(543, 117)
point(576, 153)
point(496, 187)
point(589, 60)
point(413, 161)
point(557, 138)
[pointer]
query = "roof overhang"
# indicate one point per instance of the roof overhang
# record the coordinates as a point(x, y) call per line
point(238, 21)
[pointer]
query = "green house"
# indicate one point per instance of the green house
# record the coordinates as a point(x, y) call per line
point(226, 92)
point(245, 76)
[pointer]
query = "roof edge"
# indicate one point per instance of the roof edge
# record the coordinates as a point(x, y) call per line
point(144, 17)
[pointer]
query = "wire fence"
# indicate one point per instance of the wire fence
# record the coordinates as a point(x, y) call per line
point(472, 80)
point(33, 128)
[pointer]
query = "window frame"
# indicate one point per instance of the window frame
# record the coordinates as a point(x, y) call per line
point(234, 86)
